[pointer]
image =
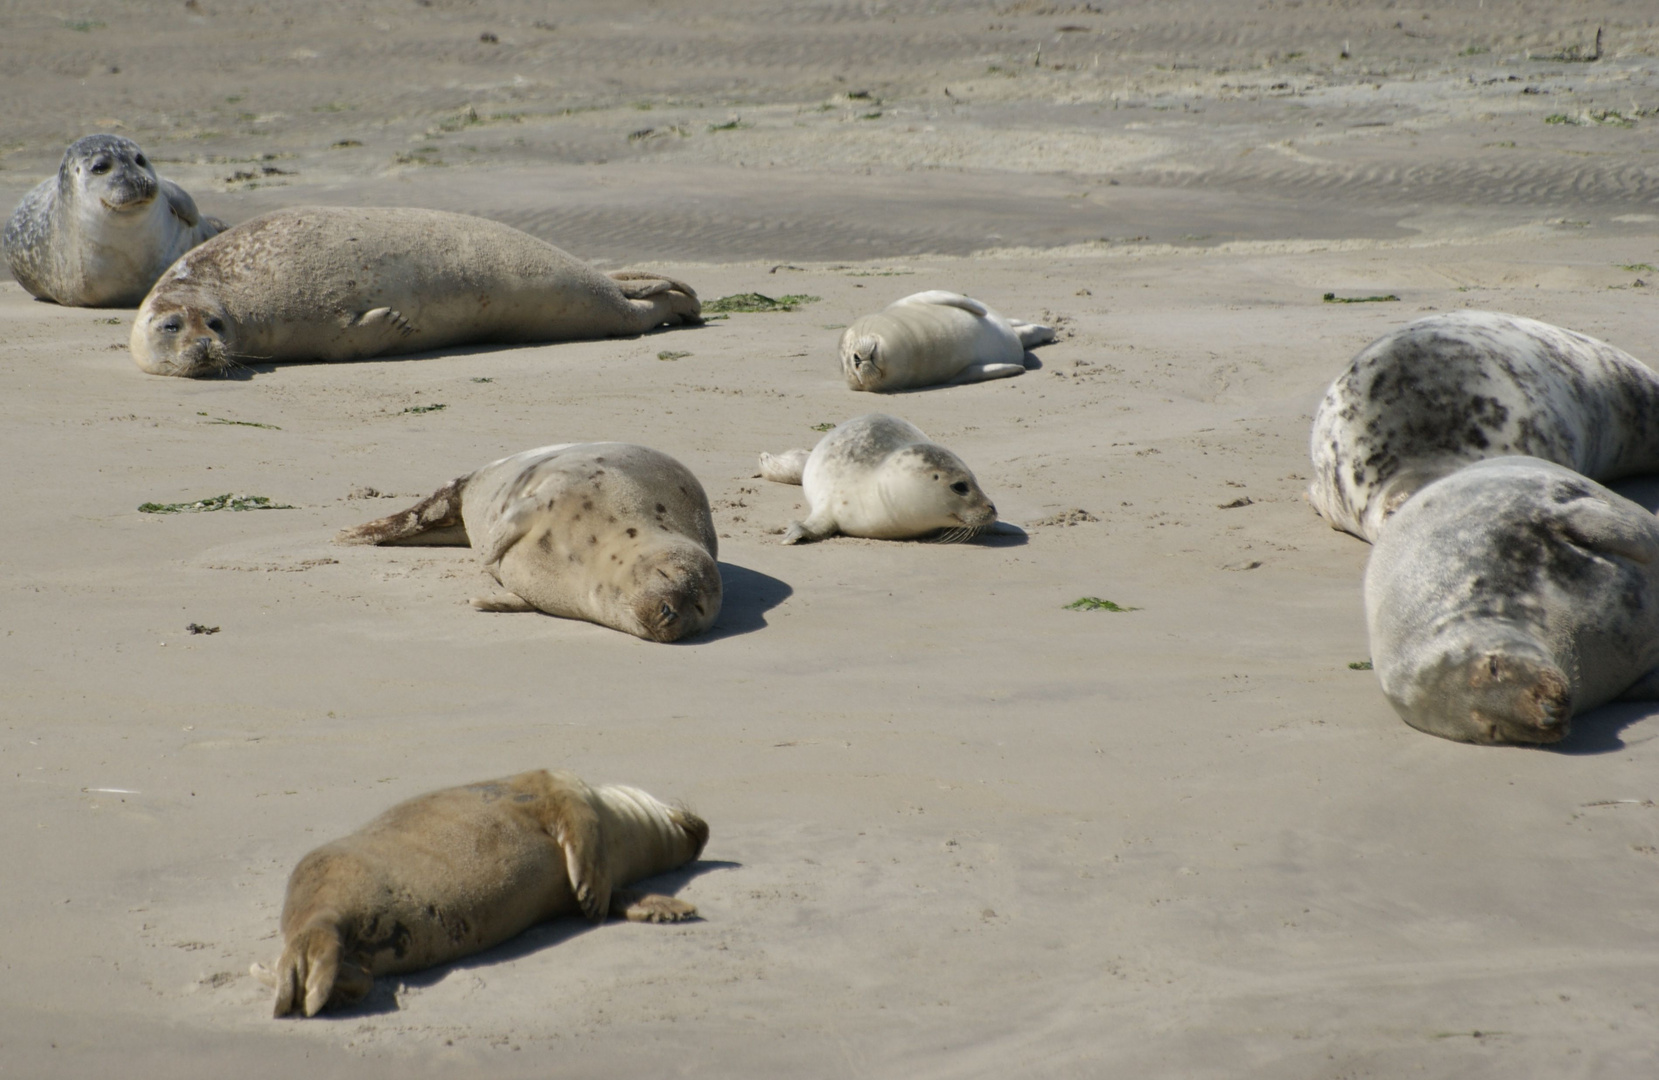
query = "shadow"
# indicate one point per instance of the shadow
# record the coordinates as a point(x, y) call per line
point(1033, 362)
point(1002, 535)
point(1598, 731)
point(746, 596)
point(383, 998)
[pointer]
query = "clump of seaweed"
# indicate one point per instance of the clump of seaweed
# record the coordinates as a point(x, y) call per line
point(214, 502)
point(1333, 298)
point(1095, 603)
point(751, 302)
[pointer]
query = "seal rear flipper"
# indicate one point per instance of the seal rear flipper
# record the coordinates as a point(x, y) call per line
point(435, 520)
point(312, 974)
point(1031, 333)
point(651, 907)
point(669, 300)
point(784, 468)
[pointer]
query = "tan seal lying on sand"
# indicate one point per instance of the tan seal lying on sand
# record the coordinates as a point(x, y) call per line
point(613, 533)
point(452, 872)
point(1448, 390)
point(935, 337)
point(1510, 596)
point(879, 477)
point(101, 232)
point(328, 283)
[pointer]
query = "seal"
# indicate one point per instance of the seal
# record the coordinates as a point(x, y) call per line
point(613, 533)
point(935, 337)
point(101, 232)
point(331, 283)
point(1451, 389)
point(880, 477)
point(452, 872)
point(1509, 596)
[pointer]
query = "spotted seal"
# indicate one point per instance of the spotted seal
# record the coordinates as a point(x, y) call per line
point(880, 477)
point(1509, 596)
point(613, 533)
point(335, 283)
point(1450, 389)
point(101, 232)
point(455, 871)
point(935, 337)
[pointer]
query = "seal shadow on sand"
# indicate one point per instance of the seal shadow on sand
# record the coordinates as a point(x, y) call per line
point(383, 998)
point(1598, 730)
point(746, 596)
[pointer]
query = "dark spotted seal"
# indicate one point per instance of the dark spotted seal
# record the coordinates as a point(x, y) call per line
point(452, 872)
point(1508, 597)
point(1451, 389)
point(101, 232)
point(613, 533)
point(328, 283)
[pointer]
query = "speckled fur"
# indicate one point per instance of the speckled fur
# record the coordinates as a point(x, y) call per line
point(1509, 596)
point(613, 533)
point(1456, 388)
point(90, 239)
point(935, 337)
point(455, 871)
point(332, 283)
point(880, 477)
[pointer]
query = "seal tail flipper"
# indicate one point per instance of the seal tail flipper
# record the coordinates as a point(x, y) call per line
point(312, 974)
point(435, 520)
point(666, 300)
point(650, 907)
point(1031, 333)
point(784, 468)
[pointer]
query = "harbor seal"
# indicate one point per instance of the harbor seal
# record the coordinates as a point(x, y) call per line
point(101, 232)
point(613, 533)
point(935, 337)
point(331, 283)
point(879, 477)
point(1509, 596)
point(1450, 389)
point(453, 872)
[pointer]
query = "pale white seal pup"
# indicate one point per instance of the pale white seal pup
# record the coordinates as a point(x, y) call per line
point(613, 533)
point(101, 232)
point(1509, 596)
point(1450, 389)
point(452, 872)
point(332, 283)
point(935, 337)
point(879, 477)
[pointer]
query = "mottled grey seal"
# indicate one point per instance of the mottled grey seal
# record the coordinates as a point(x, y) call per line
point(101, 232)
point(452, 872)
point(1450, 389)
point(1509, 596)
point(880, 477)
point(332, 283)
point(613, 533)
point(935, 337)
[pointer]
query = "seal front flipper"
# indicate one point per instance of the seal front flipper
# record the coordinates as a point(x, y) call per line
point(1031, 333)
point(502, 600)
point(181, 204)
point(1591, 523)
point(980, 372)
point(435, 521)
point(652, 907)
point(574, 825)
point(948, 299)
point(816, 527)
point(372, 332)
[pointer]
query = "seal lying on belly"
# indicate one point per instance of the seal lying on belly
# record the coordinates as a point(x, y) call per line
point(879, 477)
point(1451, 389)
point(613, 533)
point(101, 232)
point(935, 337)
point(1509, 596)
point(330, 283)
point(452, 872)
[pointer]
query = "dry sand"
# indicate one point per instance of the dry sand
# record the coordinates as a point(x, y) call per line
point(958, 830)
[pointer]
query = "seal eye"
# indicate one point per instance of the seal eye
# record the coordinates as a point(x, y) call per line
point(172, 325)
point(141, 161)
point(960, 487)
point(216, 325)
point(100, 167)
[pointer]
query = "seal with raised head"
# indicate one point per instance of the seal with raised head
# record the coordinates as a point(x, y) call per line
point(613, 533)
point(935, 337)
point(334, 283)
point(1509, 596)
point(1451, 389)
point(453, 872)
point(101, 232)
point(880, 477)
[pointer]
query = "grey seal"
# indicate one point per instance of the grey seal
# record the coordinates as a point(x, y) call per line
point(1509, 596)
point(935, 337)
point(104, 229)
point(335, 283)
point(455, 871)
point(1444, 391)
point(613, 533)
point(880, 477)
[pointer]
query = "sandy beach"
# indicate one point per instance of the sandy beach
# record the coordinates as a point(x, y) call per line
point(958, 830)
